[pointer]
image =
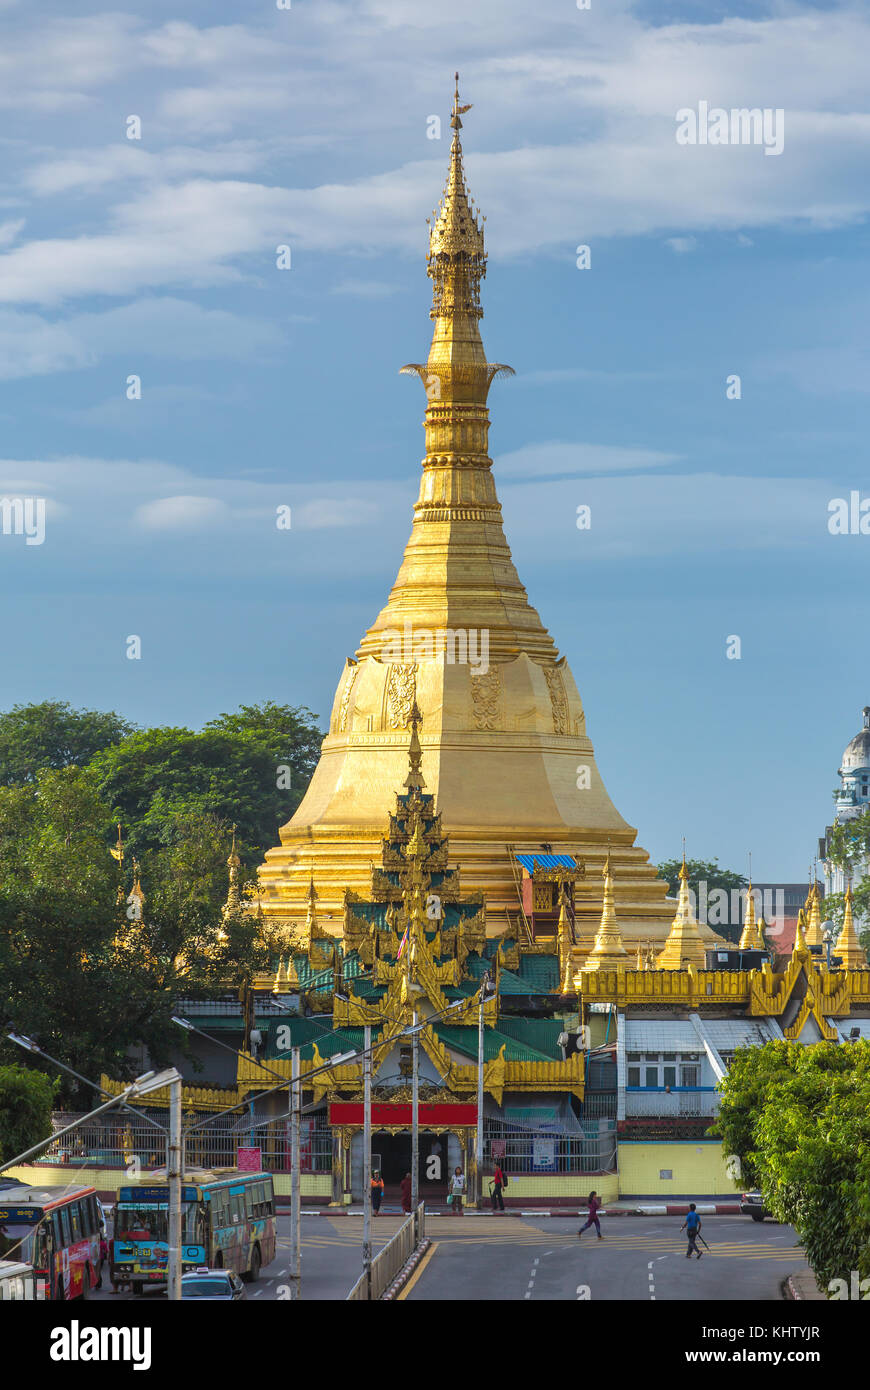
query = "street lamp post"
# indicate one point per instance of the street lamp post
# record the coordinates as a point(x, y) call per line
point(415, 1116)
point(173, 1272)
point(486, 990)
point(367, 1160)
point(295, 1179)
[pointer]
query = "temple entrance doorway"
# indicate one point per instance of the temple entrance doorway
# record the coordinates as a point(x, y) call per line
point(391, 1153)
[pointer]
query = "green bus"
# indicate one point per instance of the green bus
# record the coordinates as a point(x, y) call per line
point(227, 1222)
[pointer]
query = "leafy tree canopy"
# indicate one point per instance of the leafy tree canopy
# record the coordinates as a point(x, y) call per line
point(26, 1102)
point(799, 1120)
point(250, 768)
point(708, 871)
point(83, 969)
point(53, 735)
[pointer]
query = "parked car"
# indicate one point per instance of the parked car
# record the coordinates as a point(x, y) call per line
point(752, 1205)
point(212, 1285)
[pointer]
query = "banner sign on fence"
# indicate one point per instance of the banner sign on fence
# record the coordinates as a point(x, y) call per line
point(497, 1148)
point(249, 1159)
point(544, 1155)
point(388, 1113)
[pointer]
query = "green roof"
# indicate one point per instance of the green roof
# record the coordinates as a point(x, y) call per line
point(305, 1032)
point(464, 1040)
point(540, 974)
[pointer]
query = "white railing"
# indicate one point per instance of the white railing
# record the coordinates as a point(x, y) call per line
point(686, 1102)
point(391, 1259)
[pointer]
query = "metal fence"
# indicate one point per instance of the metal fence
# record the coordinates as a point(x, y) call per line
point(599, 1105)
point(388, 1262)
point(592, 1149)
point(681, 1102)
point(136, 1146)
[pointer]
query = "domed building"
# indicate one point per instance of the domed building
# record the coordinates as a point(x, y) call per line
point(851, 798)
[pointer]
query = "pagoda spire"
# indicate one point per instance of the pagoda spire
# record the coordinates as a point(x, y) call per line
point(234, 863)
point(457, 571)
point(814, 923)
point(685, 945)
point(799, 947)
point(750, 937)
point(414, 780)
point(848, 946)
point(609, 952)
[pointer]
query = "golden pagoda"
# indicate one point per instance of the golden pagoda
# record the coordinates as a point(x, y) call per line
point(750, 937)
point(685, 944)
point(814, 922)
point(503, 737)
point(848, 947)
point(608, 953)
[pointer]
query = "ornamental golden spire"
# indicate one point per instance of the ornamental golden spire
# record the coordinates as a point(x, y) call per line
point(414, 780)
point(799, 947)
point(814, 924)
point(234, 863)
point(457, 572)
point(750, 937)
point(608, 953)
point(848, 946)
point(685, 945)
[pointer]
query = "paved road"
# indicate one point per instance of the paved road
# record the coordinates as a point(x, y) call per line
point(638, 1258)
point(331, 1260)
point(477, 1258)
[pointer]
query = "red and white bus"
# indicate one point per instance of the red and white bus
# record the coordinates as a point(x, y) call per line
point(57, 1231)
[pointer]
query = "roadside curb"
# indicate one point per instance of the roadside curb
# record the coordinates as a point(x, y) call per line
point(406, 1271)
point(793, 1290)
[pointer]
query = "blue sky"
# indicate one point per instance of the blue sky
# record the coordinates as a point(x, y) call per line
point(260, 387)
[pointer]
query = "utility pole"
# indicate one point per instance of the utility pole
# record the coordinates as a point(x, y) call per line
point(174, 1176)
point(295, 1179)
point(485, 993)
point(367, 1160)
point(415, 1118)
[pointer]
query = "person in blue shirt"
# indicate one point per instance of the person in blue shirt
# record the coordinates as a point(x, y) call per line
point(692, 1227)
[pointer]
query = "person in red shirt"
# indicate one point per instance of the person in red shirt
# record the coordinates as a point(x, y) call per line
point(406, 1192)
point(497, 1186)
point(594, 1207)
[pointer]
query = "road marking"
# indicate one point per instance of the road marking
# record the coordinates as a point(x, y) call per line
point(652, 1285)
point(418, 1271)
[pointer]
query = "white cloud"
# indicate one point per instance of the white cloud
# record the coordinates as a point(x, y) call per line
point(364, 289)
point(183, 513)
point(681, 244)
point(556, 459)
point(168, 328)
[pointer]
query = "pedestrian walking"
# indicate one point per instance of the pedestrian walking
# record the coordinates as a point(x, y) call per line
point(692, 1227)
point(457, 1189)
point(406, 1193)
point(377, 1192)
point(499, 1183)
point(594, 1208)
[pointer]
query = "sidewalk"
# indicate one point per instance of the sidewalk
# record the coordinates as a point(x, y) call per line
point(803, 1287)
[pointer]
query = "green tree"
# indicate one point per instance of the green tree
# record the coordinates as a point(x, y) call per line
point(799, 1119)
point(249, 769)
point(82, 970)
point(53, 735)
point(26, 1102)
